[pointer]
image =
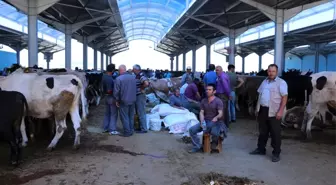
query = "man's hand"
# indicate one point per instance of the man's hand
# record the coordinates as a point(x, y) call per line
point(279, 115)
point(215, 119)
point(118, 104)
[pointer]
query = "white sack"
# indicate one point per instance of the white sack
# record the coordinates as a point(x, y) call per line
point(151, 98)
point(166, 109)
point(180, 123)
point(155, 124)
point(151, 116)
point(183, 88)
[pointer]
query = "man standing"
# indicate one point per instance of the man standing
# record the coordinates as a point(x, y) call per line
point(223, 92)
point(125, 94)
point(233, 86)
point(187, 76)
point(210, 77)
point(140, 104)
point(272, 101)
point(211, 112)
point(191, 92)
point(111, 111)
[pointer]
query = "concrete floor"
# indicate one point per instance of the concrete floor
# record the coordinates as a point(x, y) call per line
point(158, 158)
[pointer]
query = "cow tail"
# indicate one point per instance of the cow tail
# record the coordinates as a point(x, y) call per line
point(81, 95)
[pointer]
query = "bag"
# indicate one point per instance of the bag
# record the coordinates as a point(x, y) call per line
point(155, 124)
point(151, 116)
point(166, 109)
point(180, 123)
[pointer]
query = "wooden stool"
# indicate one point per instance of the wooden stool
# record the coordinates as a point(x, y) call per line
point(207, 143)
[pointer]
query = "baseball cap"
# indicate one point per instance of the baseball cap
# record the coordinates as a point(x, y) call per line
point(188, 67)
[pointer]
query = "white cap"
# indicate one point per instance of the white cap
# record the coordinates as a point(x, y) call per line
point(188, 67)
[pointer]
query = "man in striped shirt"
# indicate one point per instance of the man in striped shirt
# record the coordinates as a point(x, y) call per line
point(140, 104)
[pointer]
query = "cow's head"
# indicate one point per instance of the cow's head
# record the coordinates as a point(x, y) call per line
point(321, 82)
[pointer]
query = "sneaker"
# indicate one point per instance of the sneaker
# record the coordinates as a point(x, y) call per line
point(275, 158)
point(141, 131)
point(257, 152)
point(194, 150)
point(114, 133)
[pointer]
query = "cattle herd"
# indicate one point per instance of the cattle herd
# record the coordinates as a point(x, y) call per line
point(30, 93)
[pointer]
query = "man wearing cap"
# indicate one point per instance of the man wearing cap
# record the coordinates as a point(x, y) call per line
point(187, 76)
point(140, 104)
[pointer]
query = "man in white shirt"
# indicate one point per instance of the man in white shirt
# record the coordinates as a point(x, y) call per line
point(273, 93)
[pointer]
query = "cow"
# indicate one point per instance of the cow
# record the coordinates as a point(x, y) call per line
point(322, 99)
point(13, 108)
point(94, 90)
point(163, 87)
point(49, 95)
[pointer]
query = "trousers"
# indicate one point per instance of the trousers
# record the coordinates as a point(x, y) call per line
point(140, 105)
point(212, 128)
point(111, 114)
point(127, 117)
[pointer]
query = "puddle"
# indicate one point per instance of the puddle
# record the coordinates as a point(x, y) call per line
point(219, 179)
point(12, 179)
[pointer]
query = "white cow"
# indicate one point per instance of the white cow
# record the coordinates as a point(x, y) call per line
point(324, 91)
point(48, 95)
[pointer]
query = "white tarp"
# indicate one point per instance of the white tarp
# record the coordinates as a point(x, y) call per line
point(165, 110)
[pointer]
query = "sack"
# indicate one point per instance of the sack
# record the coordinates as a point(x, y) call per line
point(155, 124)
point(151, 116)
point(166, 109)
point(180, 123)
point(183, 88)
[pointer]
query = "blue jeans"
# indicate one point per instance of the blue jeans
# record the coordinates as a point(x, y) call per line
point(127, 117)
point(232, 107)
point(111, 114)
point(213, 128)
point(140, 105)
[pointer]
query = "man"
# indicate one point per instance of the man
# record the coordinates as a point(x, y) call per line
point(111, 111)
point(179, 101)
point(211, 112)
point(210, 77)
point(272, 101)
point(191, 92)
point(223, 92)
point(187, 76)
point(140, 104)
point(233, 86)
point(124, 92)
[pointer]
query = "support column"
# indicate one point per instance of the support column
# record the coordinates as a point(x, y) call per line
point(171, 63)
point(184, 62)
point(48, 57)
point(177, 63)
point(279, 55)
point(101, 61)
point(68, 33)
point(208, 54)
point(110, 60)
point(317, 60)
point(32, 34)
point(85, 53)
point(194, 59)
point(232, 47)
point(106, 61)
point(260, 62)
point(18, 56)
point(243, 64)
point(95, 58)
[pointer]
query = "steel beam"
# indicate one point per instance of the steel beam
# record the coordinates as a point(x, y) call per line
point(38, 5)
point(184, 62)
point(200, 39)
point(279, 55)
point(85, 53)
point(194, 59)
point(268, 11)
point(101, 61)
point(223, 29)
point(177, 62)
point(290, 13)
point(171, 63)
point(207, 54)
point(95, 58)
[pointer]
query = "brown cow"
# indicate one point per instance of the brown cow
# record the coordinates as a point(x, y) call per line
point(163, 87)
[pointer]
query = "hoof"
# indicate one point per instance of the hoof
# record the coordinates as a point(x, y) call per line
point(50, 149)
point(76, 147)
point(24, 144)
point(14, 163)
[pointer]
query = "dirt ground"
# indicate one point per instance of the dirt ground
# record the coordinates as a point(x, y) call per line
point(158, 158)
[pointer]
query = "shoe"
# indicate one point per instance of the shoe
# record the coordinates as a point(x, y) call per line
point(114, 133)
point(105, 131)
point(141, 131)
point(233, 121)
point(214, 151)
point(194, 150)
point(125, 135)
point(275, 158)
point(257, 152)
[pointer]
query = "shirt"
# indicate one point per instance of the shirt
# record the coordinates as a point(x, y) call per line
point(140, 79)
point(124, 89)
point(191, 91)
point(186, 77)
point(267, 86)
point(211, 109)
point(108, 83)
point(210, 78)
point(179, 101)
point(223, 84)
point(233, 80)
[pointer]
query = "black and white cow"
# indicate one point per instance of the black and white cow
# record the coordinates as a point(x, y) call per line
point(13, 108)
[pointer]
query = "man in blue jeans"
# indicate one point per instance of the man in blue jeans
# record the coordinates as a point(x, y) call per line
point(140, 104)
point(211, 112)
point(124, 92)
point(233, 86)
point(111, 111)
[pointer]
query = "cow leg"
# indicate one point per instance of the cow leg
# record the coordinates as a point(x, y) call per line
point(237, 105)
point(60, 127)
point(23, 132)
point(76, 120)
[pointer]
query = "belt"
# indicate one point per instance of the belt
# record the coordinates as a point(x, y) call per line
point(264, 107)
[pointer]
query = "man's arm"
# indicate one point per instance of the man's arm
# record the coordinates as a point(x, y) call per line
point(284, 97)
point(183, 79)
point(116, 90)
point(226, 85)
point(201, 116)
point(219, 115)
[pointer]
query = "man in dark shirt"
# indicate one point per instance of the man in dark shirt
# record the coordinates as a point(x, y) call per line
point(124, 92)
point(140, 104)
point(111, 111)
point(211, 112)
point(191, 91)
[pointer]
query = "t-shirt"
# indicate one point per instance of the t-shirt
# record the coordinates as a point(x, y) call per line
point(107, 83)
point(233, 80)
point(191, 91)
point(140, 79)
point(211, 109)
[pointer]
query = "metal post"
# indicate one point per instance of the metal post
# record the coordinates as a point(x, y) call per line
point(106, 61)
point(177, 63)
point(48, 57)
point(18, 56)
point(243, 64)
point(68, 33)
point(95, 58)
point(110, 59)
point(32, 34)
point(184, 62)
point(85, 53)
point(260, 62)
point(317, 59)
point(208, 54)
point(279, 55)
point(232, 47)
point(101, 61)
point(194, 59)
point(171, 63)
